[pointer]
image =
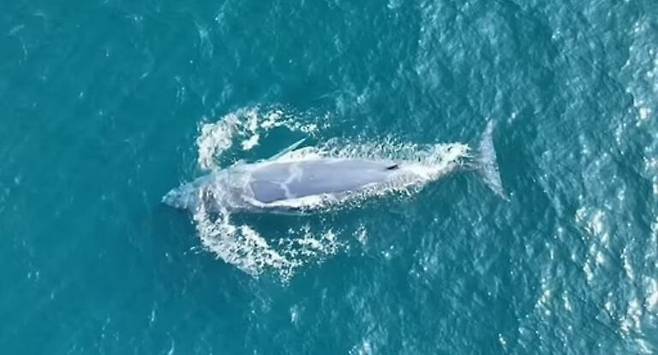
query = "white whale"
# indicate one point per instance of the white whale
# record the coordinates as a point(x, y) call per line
point(289, 184)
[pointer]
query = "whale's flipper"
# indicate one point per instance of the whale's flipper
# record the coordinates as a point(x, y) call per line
point(487, 165)
point(287, 150)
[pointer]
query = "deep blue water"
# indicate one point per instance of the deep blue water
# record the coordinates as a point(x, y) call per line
point(102, 104)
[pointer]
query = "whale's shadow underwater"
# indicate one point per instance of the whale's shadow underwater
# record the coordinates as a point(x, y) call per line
point(293, 182)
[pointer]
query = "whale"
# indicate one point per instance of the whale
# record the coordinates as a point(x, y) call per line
point(291, 183)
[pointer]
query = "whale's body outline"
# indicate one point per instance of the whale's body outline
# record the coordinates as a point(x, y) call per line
point(284, 185)
point(296, 186)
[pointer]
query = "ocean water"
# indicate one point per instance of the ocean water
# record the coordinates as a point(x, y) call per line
point(106, 105)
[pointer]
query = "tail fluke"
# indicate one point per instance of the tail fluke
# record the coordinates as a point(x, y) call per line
point(487, 165)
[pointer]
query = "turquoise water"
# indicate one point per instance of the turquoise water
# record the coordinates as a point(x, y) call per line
point(103, 111)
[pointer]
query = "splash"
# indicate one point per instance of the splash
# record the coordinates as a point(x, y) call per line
point(247, 249)
point(245, 126)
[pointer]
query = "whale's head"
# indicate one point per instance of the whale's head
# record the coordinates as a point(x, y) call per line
point(181, 197)
point(188, 196)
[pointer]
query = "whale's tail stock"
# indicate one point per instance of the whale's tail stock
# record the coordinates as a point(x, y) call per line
point(486, 163)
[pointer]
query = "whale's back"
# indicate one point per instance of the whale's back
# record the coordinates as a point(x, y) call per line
point(278, 181)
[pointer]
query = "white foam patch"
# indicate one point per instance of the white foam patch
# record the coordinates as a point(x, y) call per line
point(247, 249)
point(245, 125)
point(631, 322)
point(238, 245)
point(251, 142)
point(216, 138)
